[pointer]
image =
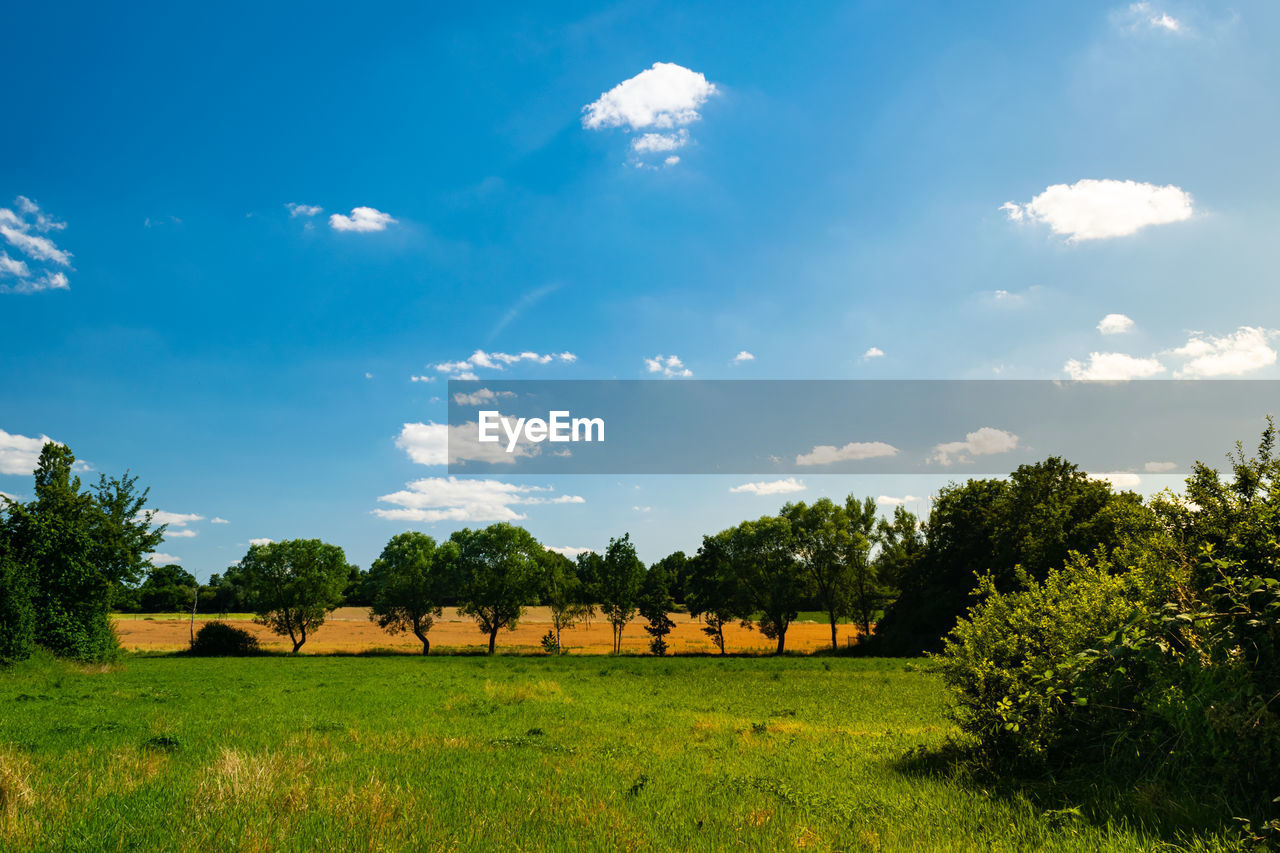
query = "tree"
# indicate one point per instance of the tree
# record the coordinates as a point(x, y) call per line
point(564, 593)
point(775, 582)
point(866, 593)
point(901, 544)
point(821, 536)
point(167, 589)
point(655, 603)
point(618, 586)
point(676, 568)
point(17, 609)
point(713, 590)
point(409, 582)
point(498, 567)
point(294, 584)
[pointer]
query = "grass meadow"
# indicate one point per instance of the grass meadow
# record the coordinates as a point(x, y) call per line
point(512, 752)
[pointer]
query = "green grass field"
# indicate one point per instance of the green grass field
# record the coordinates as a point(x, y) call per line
point(404, 752)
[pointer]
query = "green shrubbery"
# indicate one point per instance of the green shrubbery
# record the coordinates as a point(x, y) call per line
point(1158, 662)
point(218, 639)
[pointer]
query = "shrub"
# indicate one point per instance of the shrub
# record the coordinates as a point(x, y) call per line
point(218, 639)
point(17, 612)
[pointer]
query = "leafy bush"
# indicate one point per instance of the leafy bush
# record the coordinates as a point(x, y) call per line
point(17, 612)
point(218, 639)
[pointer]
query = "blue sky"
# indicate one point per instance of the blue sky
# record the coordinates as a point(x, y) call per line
point(967, 191)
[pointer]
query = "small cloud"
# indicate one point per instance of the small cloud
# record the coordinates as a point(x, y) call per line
point(306, 210)
point(660, 100)
point(19, 454)
point(671, 161)
point(465, 369)
point(986, 441)
point(669, 366)
point(1113, 367)
point(422, 379)
point(263, 541)
point(181, 533)
point(1160, 467)
point(887, 500)
point(742, 356)
point(174, 519)
point(362, 219)
point(482, 396)
point(873, 352)
point(25, 231)
point(1144, 16)
point(1102, 209)
point(1243, 351)
point(770, 487)
point(157, 558)
point(643, 508)
point(650, 143)
point(368, 375)
point(1118, 479)
point(826, 454)
point(451, 499)
point(218, 520)
point(1115, 324)
point(569, 551)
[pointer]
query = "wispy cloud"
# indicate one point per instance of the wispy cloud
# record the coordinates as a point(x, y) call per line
point(25, 228)
point(450, 499)
point(305, 210)
point(770, 487)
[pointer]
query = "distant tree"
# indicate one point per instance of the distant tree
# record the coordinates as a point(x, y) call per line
point(75, 549)
point(167, 589)
point(225, 593)
point(866, 593)
point(293, 584)
point(901, 542)
point(676, 567)
point(822, 543)
point(775, 583)
point(655, 603)
point(563, 592)
point(360, 589)
point(618, 586)
point(499, 575)
point(713, 589)
point(409, 581)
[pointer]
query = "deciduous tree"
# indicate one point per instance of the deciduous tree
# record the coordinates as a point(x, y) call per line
point(294, 584)
point(499, 575)
point(409, 582)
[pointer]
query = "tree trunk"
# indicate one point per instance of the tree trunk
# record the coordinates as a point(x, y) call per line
point(782, 641)
point(426, 644)
point(834, 645)
point(493, 639)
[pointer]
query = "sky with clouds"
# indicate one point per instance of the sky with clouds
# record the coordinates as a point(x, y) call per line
point(243, 249)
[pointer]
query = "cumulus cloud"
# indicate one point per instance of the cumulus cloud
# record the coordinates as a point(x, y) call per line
point(19, 453)
point(456, 444)
point(826, 454)
point(174, 519)
point(24, 227)
point(156, 558)
point(770, 487)
point(742, 356)
point(1100, 209)
point(1115, 324)
point(1113, 367)
point(218, 520)
point(660, 100)
point(888, 500)
point(362, 219)
point(262, 541)
point(306, 210)
point(873, 352)
point(669, 366)
point(1160, 467)
point(450, 499)
point(569, 551)
point(1118, 479)
point(1243, 351)
point(466, 368)
point(986, 441)
point(482, 396)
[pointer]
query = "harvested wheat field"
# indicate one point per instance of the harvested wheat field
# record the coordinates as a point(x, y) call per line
point(348, 630)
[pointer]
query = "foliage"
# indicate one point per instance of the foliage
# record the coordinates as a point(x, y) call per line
point(655, 603)
point(409, 581)
point(564, 593)
point(498, 575)
point(821, 539)
point(774, 582)
point(293, 584)
point(218, 639)
point(17, 610)
point(618, 585)
point(676, 567)
point(713, 590)
point(167, 589)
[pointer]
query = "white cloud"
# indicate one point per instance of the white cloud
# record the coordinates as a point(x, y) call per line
point(19, 454)
point(1115, 324)
point(826, 454)
point(569, 551)
point(450, 499)
point(887, 500)
point(1144, 16)
point(668, 365)
point(1118, 479)
point(296, 209)
point(981, 442)
point(480, 397)
point(742, 356)
point(263, 541)
point(181, 533)
point(1100, 209)
point(1113, 367)
point(873, 352)
point(671, 161)
point(465, 369)
point(157, 558)
point(362, 219)
point(24, 231)
point(1160, 467)
point(454, 444)
point(666, 95)
point(652, 143)
point(770, 487)
point(174, 519)
point(1243, 351)
point(643, 508)
point(218, 520)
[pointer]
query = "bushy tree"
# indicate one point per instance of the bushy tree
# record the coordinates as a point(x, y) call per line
point(618, 585)
point(563, 592)
point(498, 568)
point(774, 581)
point(654, 605)
point(17, 609)
point(821, 541)
point(713, 589)
point(409, 582)
point(293, 584)
point(167, 589)
point(676, 567)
